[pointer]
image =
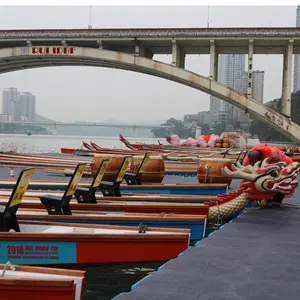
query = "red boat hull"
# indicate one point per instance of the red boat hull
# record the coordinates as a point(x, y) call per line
point(35, 283)
point(10, 291)
point(68, 150)
point(88, 249)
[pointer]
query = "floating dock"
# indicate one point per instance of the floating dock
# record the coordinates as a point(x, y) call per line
point(256, 256)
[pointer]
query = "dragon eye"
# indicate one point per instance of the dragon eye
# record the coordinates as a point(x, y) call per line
point(274, 173)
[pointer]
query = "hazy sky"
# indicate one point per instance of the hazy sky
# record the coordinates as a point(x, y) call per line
point(98, 94)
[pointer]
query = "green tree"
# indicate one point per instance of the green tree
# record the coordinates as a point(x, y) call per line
point(177, 127)
point(265, 132)
point(220, 128)
point(159, 132)
point(205, 129)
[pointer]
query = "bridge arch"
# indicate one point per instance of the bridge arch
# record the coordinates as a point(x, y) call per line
point(21, 58)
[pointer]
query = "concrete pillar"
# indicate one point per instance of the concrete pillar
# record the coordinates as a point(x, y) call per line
point(182, 59)
point(178, 55)
point(214, 61)
point(100, 44)
point(287, 80)
point(250, 69)
point(140, 50)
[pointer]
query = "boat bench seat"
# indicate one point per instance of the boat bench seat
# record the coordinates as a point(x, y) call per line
point(132, 178)
point(56, 204)
point(110, 188)
point(85, 195)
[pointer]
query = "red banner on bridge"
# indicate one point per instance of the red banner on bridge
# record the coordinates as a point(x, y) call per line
point(52, 50)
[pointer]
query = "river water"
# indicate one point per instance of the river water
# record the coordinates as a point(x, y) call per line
point(102, 283)
point(53, 143)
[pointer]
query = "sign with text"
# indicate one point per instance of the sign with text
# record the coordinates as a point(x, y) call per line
point(22, 187)
point(124, 169)
point(34, 253)
point(75, 180)
point(146, 159)
point(55, 50)
point(101, 173)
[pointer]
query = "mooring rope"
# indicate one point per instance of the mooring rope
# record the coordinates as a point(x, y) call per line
point(207, 173)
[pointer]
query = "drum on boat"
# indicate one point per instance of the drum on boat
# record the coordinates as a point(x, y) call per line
point(209, 170)
point(113, 167)
point(153, 170)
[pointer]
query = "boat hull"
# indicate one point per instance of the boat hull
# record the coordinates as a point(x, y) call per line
point(197, 227)
point(13, 291)
point(179, 189)
point(87, 249)
point(166, 189)
point(27, 282)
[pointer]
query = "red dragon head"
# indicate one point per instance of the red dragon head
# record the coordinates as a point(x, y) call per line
point(264, 179)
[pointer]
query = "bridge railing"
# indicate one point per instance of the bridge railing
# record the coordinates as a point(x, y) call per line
point(139, 32)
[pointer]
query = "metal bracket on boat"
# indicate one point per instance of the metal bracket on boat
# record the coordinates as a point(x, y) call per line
point(8, 265)
point(142, 228)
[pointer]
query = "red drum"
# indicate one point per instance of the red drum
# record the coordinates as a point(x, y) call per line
point(113, 167)
point(153, 170)
point(209, 170)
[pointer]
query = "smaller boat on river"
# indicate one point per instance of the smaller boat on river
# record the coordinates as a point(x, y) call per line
point(34, 283)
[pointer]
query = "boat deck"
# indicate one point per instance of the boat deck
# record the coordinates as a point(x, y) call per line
point(256, 256)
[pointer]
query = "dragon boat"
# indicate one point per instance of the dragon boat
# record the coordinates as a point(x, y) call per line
point(32, 283)
point(58, 210)
point(147, 170)
point(262, 181)
point(60, 243)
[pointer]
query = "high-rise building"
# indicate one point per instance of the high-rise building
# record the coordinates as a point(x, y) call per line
point(241, 85)
point(258, 79)
point(296, 82)
point(28, 106)
point(11, 103)
point(17, 105)
point(231, 67)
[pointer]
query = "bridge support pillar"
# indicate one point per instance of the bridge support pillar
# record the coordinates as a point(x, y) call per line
point(214, 61)
point(100, 44)
point(250, 66)
point(287, 80)
point(140, 50)
point(178, 56)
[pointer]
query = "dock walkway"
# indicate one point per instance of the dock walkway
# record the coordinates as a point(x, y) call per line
point(255, 257)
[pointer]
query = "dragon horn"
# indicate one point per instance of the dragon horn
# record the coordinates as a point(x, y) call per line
point(257, 165)
point(226, 172)
point(238, 174)
point(265, 162)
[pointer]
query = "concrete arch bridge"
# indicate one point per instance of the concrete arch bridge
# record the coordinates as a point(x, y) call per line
point(20, 58)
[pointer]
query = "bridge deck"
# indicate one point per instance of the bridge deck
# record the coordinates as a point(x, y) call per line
point(255, 257)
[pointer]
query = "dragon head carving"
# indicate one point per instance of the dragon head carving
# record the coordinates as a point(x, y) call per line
point(265, 179)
